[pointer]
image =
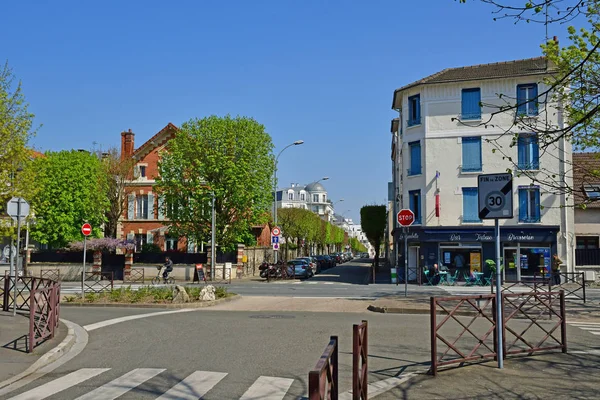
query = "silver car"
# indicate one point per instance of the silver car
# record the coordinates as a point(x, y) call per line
point(301, 268)
point(314, 265)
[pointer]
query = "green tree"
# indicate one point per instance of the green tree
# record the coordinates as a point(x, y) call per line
point(575, 73)
point(372, 222)
point(116, 173)
point(230, 157)
point(71, 189)
point(16, 129)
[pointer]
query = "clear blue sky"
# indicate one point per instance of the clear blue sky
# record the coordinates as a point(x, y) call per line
point(320, 71)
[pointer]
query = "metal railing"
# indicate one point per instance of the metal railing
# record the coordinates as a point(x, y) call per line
point(360, 354)
point(52, 274)
point(98, 282)
point(323, 379)
point(573, 285)
point(135, 275)
point(468, 328)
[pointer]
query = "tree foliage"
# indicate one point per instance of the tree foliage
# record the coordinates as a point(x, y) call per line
point(230, 157)
point(572, 84)
point(116, 172)
point(71, 189)
point(373, 222)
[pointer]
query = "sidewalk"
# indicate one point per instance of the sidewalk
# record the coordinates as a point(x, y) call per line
point(14, 332)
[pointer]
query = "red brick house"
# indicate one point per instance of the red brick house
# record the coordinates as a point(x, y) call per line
point(143, 220)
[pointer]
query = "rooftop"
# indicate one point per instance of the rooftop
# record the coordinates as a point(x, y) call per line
point(586, 175)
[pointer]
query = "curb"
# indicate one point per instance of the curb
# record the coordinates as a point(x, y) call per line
point(140, 305)
point(397, 310)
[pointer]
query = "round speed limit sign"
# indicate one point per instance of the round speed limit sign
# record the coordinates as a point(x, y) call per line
point(494, 201)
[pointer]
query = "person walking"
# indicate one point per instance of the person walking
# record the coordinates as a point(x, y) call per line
point(556, 262)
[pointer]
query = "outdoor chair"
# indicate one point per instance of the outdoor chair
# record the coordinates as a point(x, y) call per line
point(452, 279)
point(429, 278)
point(468, 281)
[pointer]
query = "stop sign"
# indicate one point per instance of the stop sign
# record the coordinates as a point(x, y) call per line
point(86, 229)
point(406, 217)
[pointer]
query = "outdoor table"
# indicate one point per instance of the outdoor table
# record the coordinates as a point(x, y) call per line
point(478, 276)
point(443, 277)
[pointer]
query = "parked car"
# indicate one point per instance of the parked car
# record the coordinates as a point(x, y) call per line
point(314, 265)
point(322, 262)
point(331, 260)
point(301, 268)
point(337, 257)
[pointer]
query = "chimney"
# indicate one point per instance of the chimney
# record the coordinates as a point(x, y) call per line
point(127, 144)
point(555, 38)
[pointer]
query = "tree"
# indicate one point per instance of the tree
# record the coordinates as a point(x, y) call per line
point(372, 221)
point(116, 173)
point(16, 129)
point(71, 189)
point(575, 73)
point(230, 157)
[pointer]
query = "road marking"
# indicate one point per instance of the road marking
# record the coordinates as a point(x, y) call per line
point(593, 352)
point(335, 297)
point(108, 322)
point(194, 386)
point(60, 384)
point(122, 385)
point(379, 387)
point(268, 388)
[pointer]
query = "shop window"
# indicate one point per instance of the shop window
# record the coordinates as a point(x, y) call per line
point(415, 204)
point(529, 204)
point(587, 242)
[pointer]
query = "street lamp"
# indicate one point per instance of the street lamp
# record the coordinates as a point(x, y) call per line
point(296, 143)
point(322, 179)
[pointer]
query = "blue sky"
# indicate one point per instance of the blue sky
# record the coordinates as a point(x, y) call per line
point(320, 71)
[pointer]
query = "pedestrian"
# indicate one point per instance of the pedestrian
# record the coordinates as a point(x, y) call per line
point(556, 262)
point(459, 261)
point(434, 273)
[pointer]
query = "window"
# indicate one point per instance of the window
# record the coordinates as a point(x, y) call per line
point(324, 198)
point(414, 110)
point(527, 102)
point(302, 197)
point(290, 196)
point(528, 152)
point(315, 198)
point(415, 158)
point(471, 104)
point(592, 192)
point(142, 171)
point(171, 243)
point(587, 242)
point(414, 197)
point(529, 204)
point(471, 154)
point(470, 205)
point(140, 240)
point(141, 206)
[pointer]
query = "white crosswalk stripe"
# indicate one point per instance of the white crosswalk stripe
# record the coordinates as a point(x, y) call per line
point(268, 388)
point(591, 327)
point(195, 386)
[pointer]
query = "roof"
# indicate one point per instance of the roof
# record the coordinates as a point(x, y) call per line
point(36, 154)
point(586, 171)
point(506, 69)
point(155, 141)
point(314, 187)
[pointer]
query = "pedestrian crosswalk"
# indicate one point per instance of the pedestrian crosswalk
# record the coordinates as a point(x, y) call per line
point(195, 386)
point(591, 327)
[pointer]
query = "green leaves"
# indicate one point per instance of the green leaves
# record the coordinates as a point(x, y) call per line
point(231, 157)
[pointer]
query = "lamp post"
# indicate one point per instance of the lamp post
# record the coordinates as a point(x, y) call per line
point(296, 143)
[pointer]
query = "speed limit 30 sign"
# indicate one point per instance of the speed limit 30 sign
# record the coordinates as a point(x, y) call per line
point(495, 196)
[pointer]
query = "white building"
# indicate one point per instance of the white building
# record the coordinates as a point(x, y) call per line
point(437, 158)
point(311, 197)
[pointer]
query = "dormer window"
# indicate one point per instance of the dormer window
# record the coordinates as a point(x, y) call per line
point(142, 171)
point(290, 196)
point(302, 197)
point(592, 192)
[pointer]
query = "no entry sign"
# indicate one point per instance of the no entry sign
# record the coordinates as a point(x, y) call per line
point(86, 229)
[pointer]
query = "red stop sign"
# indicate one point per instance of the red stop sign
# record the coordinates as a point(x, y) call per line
point(86, 229)
point(406, 217)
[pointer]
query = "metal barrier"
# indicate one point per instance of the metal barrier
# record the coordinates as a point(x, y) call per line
point(522, 286)
point(135, 275)
point(574, 285)
point(323, 379)
point(40, 298)
point(468, 329)
point(98, 282)
point(360, 353)
point(222, 276)
point(479, 344)
point(52, 274)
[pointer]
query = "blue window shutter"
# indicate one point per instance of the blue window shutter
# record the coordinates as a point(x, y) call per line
point(536, 209)
point(521, 98)
point(522, 205)
point(533, 106)
point(414, 197)
point(471, 99)
point(535, 153)
point(522, 153)
point(470, 205)
point(150, 206)
point(130, 206)
point(471, 154)
point(415, 158)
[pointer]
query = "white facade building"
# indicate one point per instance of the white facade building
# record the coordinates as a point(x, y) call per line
point(311, 197)
point(441, 143)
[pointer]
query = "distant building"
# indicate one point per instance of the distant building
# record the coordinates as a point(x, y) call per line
point(311, 197)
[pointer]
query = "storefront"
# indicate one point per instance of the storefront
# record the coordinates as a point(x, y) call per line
point(465, 249)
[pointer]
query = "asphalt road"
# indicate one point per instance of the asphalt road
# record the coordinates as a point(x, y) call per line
point(238, 350)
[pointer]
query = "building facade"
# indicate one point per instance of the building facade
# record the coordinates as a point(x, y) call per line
point(445, 136)
point(311, 197)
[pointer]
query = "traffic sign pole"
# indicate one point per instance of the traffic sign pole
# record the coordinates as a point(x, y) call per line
point(83, 273)
point(406, 262)
point(499, 320)
point(17, 263)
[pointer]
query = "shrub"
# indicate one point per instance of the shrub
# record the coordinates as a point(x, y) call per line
point(151, 248)
point(194, 292)
point(221, 292)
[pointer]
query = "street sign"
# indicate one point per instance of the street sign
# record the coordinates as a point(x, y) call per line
point(274, 239)
point(495, 196)
point(86, 229)
point(17, 208)
point(276, 231)
point(406, 217)
point(275, 246)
